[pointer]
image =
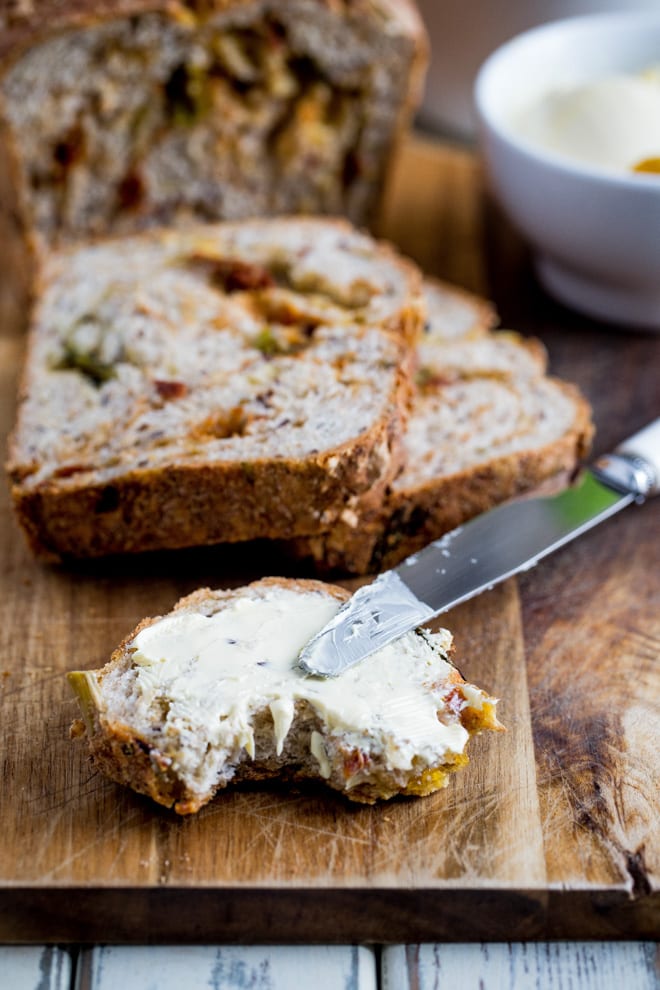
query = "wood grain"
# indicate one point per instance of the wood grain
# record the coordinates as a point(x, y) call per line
point(434, 212)
point(552, 829)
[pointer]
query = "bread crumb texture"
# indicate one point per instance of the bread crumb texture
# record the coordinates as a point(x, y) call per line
point(228, 382)
point(211, 695)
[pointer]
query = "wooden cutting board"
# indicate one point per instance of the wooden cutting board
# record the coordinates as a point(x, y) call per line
point(552, 831)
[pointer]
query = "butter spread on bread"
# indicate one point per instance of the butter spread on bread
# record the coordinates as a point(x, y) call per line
point(212, 693)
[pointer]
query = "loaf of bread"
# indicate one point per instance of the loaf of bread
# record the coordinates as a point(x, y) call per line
point(486, 425)
point(230, 382)
point(117, 115)
point(212, 695)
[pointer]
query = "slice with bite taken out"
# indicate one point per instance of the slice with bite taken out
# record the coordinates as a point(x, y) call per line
point(211, 695)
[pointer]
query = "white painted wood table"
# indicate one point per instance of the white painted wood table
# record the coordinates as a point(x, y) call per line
point(477, 966)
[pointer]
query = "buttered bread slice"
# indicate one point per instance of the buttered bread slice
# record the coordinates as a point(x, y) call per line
point(212, 695)
point(229, 382)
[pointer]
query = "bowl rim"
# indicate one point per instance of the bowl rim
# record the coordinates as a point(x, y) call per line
point(601, 174)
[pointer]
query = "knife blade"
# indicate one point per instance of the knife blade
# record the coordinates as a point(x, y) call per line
point(478, 555)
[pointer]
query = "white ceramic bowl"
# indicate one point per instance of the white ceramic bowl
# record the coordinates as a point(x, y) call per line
point(595, 233)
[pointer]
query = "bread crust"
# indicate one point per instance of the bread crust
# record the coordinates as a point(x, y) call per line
point(196, 505)
point(25, 24)
point(131, 759)
point(18, 250)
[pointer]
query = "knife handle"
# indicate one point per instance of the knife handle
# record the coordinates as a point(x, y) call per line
point(644, 449)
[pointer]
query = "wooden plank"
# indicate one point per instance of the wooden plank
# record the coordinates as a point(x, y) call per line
point(87, 831)
point(494, 856)
point(229, 968)
point(32, 967)
point(535, 966)
point(433, 212)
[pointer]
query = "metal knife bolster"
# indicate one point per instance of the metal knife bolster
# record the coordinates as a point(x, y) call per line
point(626, 473)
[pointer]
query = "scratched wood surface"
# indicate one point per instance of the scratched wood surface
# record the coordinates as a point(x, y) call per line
point(551, 831)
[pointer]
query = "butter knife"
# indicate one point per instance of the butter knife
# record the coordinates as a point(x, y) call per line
point(478, 555)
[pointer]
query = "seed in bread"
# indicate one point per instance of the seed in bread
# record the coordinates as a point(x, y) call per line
point(229, 382)
point(486, 424)
point(212, 695)
point(118, 116)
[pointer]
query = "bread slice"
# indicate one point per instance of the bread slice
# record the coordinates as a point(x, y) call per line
point(117, 116)
point(211, 695)
point(453, 313)
point(225, 383)
point(486, 425)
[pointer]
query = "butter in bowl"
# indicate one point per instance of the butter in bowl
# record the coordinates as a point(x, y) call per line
point(611, 122)
point(569, 117)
